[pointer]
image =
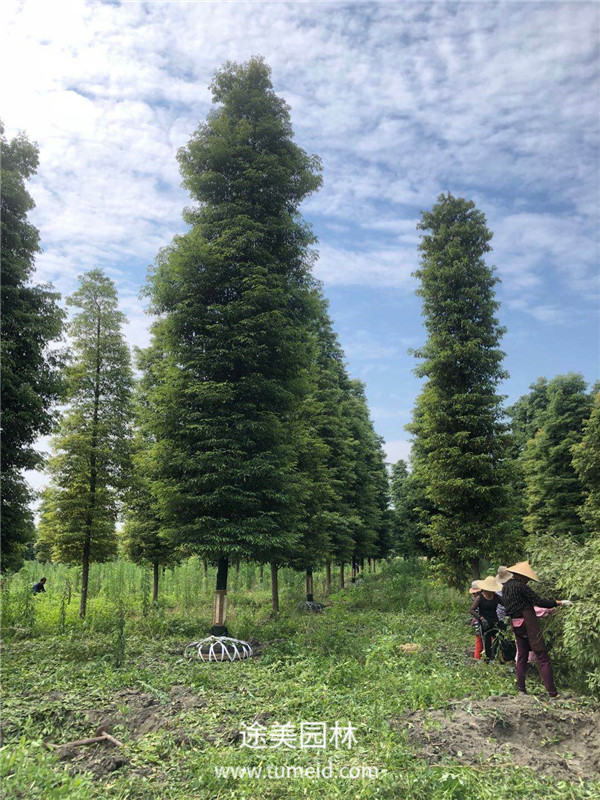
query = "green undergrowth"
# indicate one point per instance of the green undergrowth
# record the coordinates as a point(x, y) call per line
point(342, 665)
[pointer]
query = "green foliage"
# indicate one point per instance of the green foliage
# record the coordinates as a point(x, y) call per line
point(405, 532)
point(31, 320)
point(91, 459)
point(553, 489)
point(234, 296)
point(586, 462)
point(459, 419)
point(571, 572)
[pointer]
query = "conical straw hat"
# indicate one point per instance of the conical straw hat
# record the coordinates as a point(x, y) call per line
point(524, 568)
point(503, 575)
point(490, 584)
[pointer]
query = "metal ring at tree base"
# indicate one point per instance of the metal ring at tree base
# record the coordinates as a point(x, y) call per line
point(219, 648)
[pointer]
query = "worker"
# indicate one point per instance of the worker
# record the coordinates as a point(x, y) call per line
point(519, 601)
point(39, 586)
point(485, 609)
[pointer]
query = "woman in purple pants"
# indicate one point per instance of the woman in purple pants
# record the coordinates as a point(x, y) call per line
point(519, 601)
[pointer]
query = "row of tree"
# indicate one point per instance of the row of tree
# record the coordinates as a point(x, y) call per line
point(243, 437)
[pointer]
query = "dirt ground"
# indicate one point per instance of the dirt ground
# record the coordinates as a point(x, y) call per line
point(557, 738)
point(132, 715)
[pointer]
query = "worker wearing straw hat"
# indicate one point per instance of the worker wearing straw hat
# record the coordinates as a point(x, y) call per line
point(475, 590)
point(519, 601)
point(485, 609)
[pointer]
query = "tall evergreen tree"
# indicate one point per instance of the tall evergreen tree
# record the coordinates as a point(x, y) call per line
point(461, 418)
point(367, 480)
point(234, 296)
point(30, 321)
point(553, 489)
point(404, 531)
point(586, 461)
point(90, 466)
point(143, 536)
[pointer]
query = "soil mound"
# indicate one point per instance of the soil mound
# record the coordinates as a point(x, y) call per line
point(557, 738)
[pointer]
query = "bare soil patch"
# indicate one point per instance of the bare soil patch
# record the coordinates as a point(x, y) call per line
point(557, 738)
point(132, 715)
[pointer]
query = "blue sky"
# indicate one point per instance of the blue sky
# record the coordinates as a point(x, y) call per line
point(498, 102)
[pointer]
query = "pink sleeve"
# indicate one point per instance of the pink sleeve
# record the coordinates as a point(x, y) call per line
point(543, 612)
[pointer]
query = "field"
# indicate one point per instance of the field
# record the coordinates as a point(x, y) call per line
point(429, 722)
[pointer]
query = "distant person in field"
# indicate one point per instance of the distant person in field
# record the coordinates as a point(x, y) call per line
point(519, 602)
point(475, 592)
point(485, 609)
point(39, 586)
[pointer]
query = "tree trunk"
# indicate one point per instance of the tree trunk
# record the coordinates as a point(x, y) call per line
point(155, 583)
point(85, 572)
point(370, 563)
point(353, 571)
point(475, 573)
point(219, 627)
point(309, 585)
point(328, 577)
point(274, 588)
point(262, 572)
point(374, 565)
point(89, 522)
point(342, 584)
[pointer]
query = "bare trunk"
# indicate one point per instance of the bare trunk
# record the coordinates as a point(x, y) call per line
point(475, 573)
point(219, 627)
point(328, 577)
point(89, 522)
point(155, 583)
point(274, 588)
point(342, 584)
point(262, 572)
point(85, 573)
point(309, 585)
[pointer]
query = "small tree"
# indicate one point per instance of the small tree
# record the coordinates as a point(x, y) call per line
point(91, 451)
point(31, 320)
point(460, 416)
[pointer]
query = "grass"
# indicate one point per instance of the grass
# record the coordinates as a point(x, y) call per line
point(342, 665)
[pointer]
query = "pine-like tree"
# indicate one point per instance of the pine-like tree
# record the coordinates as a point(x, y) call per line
point(235, 298)
point(30, 321)
point(404, 531)
point(367, 481)
point(586, 460)
point(461, 418)
point(90, 466)
point(553, 489)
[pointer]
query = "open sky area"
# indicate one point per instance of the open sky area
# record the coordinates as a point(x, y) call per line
point(497, 102)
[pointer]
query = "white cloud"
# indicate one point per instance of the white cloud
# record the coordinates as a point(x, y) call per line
point(397, 448)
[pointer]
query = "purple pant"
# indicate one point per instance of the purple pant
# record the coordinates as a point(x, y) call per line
point(529, 637)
